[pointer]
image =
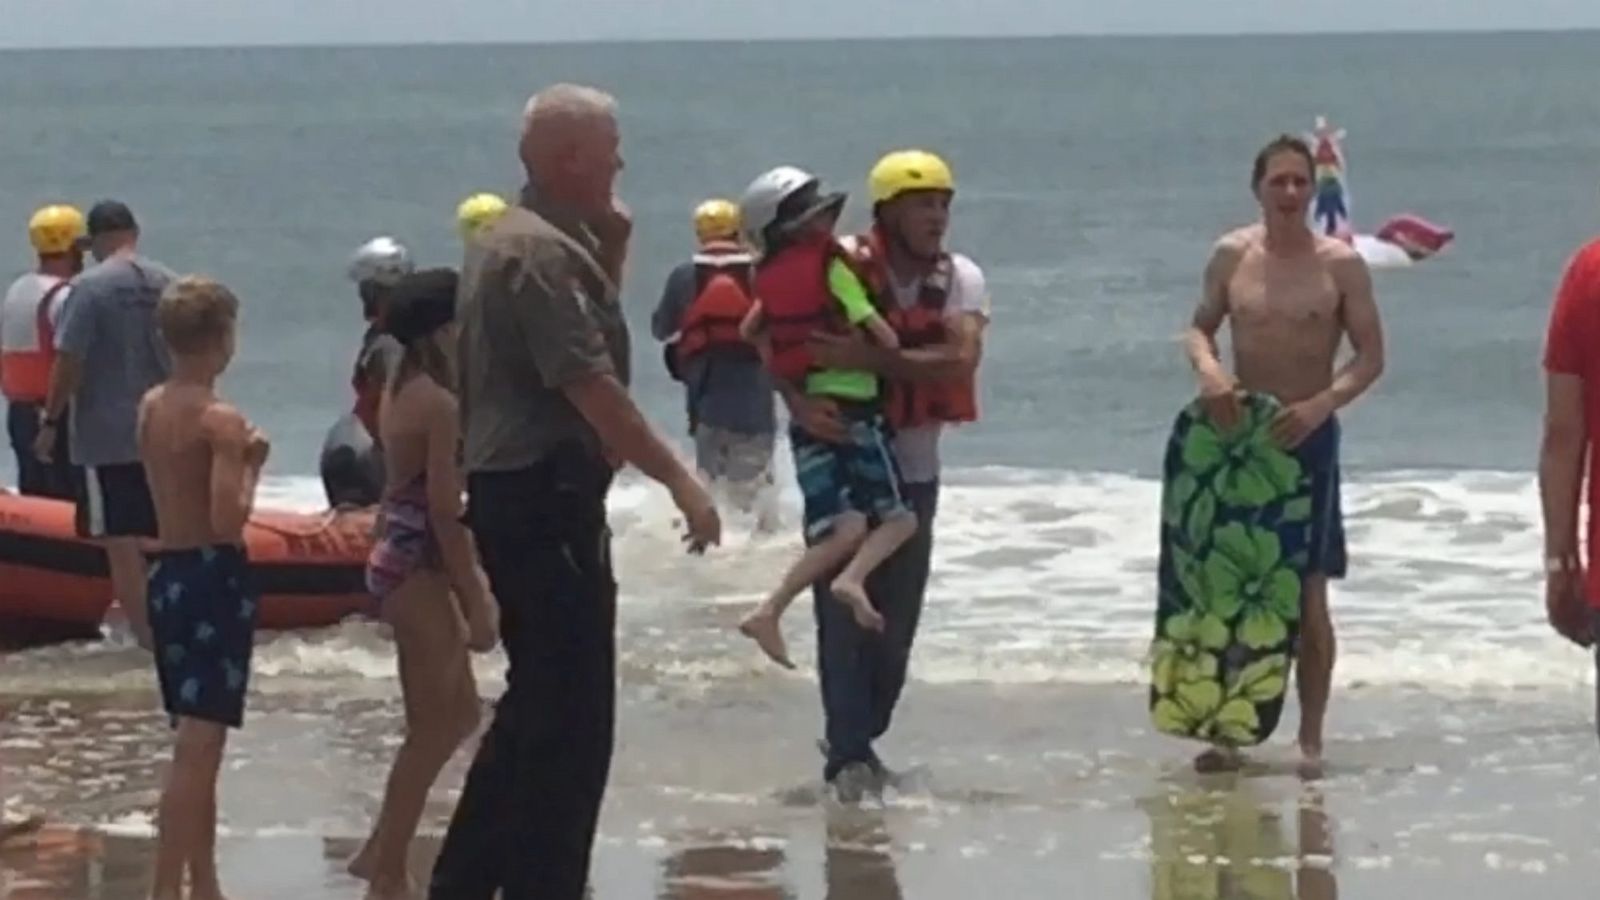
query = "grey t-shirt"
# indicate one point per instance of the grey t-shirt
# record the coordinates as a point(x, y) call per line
point(109, 324)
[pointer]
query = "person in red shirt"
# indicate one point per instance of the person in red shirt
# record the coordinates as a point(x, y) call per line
point(1571, 432)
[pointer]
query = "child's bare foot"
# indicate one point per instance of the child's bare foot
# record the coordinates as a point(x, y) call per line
point(854, 595)
point(761, 626)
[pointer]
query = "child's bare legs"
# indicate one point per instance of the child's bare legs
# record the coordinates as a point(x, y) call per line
point(441, 705)
point(186, 832)
point(818, 560)
point(203, 880)
point(881, 543)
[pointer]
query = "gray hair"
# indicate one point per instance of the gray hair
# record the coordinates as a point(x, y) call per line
point(566, 104)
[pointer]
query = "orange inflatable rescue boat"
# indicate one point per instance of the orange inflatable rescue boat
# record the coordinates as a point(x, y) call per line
point(309, 567)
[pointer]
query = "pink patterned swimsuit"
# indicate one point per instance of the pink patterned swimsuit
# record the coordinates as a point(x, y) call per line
point(405, 541)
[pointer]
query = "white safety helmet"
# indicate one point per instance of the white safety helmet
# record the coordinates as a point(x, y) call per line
point(382, 260)
point(784, 197)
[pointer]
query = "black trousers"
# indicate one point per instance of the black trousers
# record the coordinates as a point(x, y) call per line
point(862, 674)
point(59, 477)
point(526, 820)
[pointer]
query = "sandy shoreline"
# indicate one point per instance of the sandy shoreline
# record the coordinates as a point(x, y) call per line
point(1027, 792)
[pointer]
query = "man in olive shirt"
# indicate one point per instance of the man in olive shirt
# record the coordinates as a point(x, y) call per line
point(543, 369)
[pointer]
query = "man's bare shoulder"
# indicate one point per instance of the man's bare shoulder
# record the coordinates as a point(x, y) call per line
point(1336, 252)
point(1240, 239)
point(1233, 246)
point(1345, 265)
point(1229, 250)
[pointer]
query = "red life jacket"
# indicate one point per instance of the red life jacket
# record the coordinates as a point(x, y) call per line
point(723, 282)
point(909, 404)
point(797, 303)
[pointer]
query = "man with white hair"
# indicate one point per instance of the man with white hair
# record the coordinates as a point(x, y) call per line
point(545, 416)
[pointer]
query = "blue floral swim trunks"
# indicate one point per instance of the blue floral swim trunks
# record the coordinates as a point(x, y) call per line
point(203, 613)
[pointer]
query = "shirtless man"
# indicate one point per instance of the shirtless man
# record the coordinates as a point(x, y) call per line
point(1291, 296)
point(203, 461)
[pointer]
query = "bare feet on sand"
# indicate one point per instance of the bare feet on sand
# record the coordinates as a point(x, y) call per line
point(1218, 759)
point(854, 595)
point(761, 626)
point(361, 865)
point(1310, 761)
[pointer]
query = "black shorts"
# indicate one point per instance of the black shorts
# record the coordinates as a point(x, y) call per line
point(114, 501)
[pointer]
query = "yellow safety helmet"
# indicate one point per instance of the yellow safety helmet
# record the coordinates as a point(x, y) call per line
point(716, 219)
point(56, 229)
point(479, 212)
point(908, 170)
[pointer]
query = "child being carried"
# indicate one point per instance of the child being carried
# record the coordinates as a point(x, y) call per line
point(803, 285)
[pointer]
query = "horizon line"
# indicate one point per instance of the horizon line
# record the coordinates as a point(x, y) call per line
point(853, 38)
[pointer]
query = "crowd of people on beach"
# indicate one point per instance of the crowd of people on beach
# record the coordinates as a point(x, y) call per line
point(497, 393)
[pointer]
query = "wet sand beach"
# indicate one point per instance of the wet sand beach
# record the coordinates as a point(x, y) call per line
point(1037, 791)
point(1462, 756)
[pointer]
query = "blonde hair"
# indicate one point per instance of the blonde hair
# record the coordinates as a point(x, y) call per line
point(196, 314)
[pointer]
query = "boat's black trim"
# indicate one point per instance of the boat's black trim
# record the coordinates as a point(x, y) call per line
point(71, 557)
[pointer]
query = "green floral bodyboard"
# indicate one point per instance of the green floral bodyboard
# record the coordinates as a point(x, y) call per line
point(1235, 528)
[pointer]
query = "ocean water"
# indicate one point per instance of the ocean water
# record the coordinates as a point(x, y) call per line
point(1094, 175)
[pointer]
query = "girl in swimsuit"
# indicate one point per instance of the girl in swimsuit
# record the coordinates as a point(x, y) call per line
point(423, 571)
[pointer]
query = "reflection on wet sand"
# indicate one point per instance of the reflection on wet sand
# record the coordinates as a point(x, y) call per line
point(856, 865)
point(724, 871)
point(1226, 844)
point(60, 863)
point(55, 863)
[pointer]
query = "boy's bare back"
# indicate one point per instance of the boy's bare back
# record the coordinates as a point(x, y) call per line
point(202, 458)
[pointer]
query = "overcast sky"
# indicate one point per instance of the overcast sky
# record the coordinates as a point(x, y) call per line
point(55, 23)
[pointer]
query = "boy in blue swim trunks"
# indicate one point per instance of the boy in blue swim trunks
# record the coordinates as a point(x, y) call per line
point(203, 460)
point(854, 512)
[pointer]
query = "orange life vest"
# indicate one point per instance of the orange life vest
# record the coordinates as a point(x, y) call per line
point(910, 404)
point(25, 365)
point(797, 302)
point(723, 282)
